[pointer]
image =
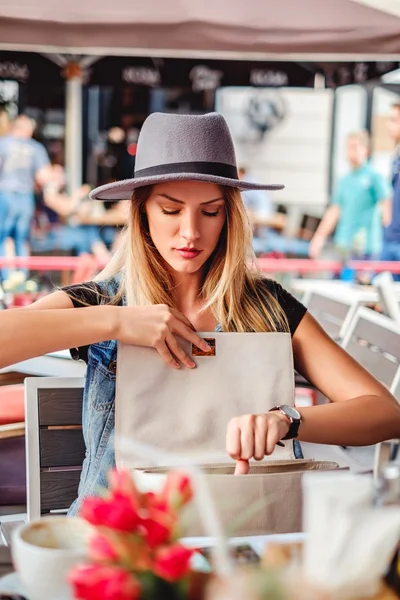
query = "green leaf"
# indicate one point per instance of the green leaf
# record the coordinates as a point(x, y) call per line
point(155, 588)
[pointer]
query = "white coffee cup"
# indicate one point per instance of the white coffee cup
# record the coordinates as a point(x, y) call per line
point(44, 552)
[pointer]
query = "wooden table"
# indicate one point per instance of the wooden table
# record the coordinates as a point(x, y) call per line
point(10, 377)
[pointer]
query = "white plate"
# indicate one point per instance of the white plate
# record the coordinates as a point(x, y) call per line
point(11, 584)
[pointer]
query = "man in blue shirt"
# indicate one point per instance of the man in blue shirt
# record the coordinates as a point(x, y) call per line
point(23, 162)
point(358, 207)
point(391, 237)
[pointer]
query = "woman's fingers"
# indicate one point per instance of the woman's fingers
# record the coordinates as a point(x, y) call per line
point(233, 446)
point(247, 438)
point(238, 444)
point(166, 355)
point(240, 438)
point(178, 351)
point(253, 436)
point(186, 333)
point(174, 323)
point(171, 351)
point(242, 467)
point(260, 436)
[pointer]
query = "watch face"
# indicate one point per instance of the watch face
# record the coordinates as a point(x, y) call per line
point(291, 412)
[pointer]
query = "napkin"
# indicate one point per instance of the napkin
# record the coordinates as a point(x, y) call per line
point(350, 542)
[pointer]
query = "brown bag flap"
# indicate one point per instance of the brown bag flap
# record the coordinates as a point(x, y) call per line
point(267, 500)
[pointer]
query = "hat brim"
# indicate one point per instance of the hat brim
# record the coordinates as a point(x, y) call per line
point(122, 190)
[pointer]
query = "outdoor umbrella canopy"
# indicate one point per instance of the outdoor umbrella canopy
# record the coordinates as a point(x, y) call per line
point(348, 41)
point(213, 28)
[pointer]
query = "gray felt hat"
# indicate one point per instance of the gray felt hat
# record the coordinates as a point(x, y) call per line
point(181, 147)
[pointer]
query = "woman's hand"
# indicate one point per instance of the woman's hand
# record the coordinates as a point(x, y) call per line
point(254, 436)
point(157, 326)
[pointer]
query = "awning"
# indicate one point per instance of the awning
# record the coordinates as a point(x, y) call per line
point(198, 75)
point(204, 74)
point(259, 29)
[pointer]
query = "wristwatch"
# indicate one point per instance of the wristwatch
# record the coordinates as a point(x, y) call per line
point(294, 417)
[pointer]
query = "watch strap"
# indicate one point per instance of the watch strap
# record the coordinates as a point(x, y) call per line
point(293, 430)
point(294, 426)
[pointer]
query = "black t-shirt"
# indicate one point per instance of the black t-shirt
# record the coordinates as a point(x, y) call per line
point(91, 294)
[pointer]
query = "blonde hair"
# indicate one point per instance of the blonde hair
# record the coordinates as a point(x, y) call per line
point(362, 137)
point(233, 292)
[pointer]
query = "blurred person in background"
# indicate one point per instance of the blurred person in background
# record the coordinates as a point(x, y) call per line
point(56, 202)
point(57, 179)
point(5, 121)
point(108, 222)
point(45, 216)
point(267, 224)
point(261, 212)
point(257, 202)
point(391, 236)
point(24, 163)
point(259, 206)
point(68, 232)
point(59, 227)
point(358, 207)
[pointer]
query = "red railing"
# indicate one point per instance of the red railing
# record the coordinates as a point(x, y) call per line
point(267, 265)
point(306, 265)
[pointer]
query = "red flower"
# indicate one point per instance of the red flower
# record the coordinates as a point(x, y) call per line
point(101, 549)
point(154, 501)
point(157, 520)
point(177, 490)
point(158, 527)
point(117, 512)
point(129, 550)
point(173, 562)
point(121, 482)
point(93, 582)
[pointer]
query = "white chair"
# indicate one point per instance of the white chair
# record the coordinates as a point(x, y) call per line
point(54, 443)
point(333, 312)
point(373, 340)
point(54, 448)
point(384, 284)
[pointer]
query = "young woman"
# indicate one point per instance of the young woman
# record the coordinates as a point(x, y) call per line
point(182, 268)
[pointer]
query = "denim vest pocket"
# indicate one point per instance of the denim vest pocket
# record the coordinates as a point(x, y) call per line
point(102, 362)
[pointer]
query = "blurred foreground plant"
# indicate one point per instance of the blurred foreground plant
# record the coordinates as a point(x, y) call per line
point(134, 552)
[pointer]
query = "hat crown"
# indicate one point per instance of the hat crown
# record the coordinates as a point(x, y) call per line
point(167, 139)
point(181, 148)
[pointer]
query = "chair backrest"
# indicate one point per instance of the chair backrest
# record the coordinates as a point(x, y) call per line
point(384, 284)
point(54, 442)
point(333, 313)
point(374, 341)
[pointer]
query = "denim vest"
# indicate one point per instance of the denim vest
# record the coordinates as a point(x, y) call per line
point(98, 413)
point(98, 416)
